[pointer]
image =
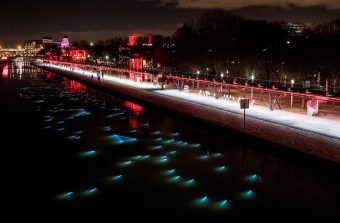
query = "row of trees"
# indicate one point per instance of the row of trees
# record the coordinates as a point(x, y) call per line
point(221, 43)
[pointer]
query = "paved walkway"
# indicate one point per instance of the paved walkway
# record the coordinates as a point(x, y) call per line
point(315, 124)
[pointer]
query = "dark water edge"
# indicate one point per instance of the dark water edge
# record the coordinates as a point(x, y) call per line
point(40, 165)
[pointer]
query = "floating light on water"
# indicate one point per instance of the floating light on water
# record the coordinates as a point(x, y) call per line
point(116, 178)
point(78, 132)
point(217, 155)
point(248, 194)
point(90, 192)
point(221, 169)
point(174, 134)
point(133, 131)
point(156, 133)
point(39, 101)
point(67, 195)
point(202, 200)
point(60, 123)
point(60, 129)
point(204, 157)
point(254, 178)
point(73, 137)
point(189, 182)
point(82, 112)
point(196, 145)
point(48, 127)
point(126, 163)
point(119, 139)
point(170, 172)
point(89, 153)
point(169, 141)
point(114, 115)
point(162, 159)
point(158, 139)
point(175, 178)
point(172, 152)
point(107, 128)
point(223, 204)
point(157, 147)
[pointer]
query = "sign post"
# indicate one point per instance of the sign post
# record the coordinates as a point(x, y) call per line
point(244, 104)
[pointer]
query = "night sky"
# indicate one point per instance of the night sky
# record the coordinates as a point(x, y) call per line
point(102, 19)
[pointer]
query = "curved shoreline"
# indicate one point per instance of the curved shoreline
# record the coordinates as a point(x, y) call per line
point(315, 144)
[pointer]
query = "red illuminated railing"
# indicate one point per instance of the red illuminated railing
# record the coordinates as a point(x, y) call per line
point(191, 80)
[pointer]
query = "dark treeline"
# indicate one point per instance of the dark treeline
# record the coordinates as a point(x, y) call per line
point(221, 43)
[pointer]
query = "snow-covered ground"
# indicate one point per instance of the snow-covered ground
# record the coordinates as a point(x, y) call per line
point(313, 124)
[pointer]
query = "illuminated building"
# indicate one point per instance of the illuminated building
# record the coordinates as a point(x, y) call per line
point(33, 47)
point(140, 47)
point(294, 29)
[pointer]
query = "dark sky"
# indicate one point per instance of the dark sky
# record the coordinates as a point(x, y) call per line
point(101, 19)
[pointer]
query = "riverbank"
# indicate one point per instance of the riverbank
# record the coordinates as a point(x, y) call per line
point(312, 135)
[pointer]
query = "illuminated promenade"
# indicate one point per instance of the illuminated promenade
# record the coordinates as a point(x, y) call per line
point(313, 135)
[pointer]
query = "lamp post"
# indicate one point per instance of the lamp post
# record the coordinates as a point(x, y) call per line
point(106, 58)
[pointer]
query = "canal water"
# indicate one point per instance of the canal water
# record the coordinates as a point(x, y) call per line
point(75, 153)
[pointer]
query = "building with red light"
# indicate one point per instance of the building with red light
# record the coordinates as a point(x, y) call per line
point(140, 51)
point(77, 55)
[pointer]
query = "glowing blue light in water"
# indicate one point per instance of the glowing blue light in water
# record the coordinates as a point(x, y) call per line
point(204, 157)
point(190, 182)
point(89, 153)
point(48, 120)
point(169, 141)
point(39, 101)
point(223, 204)
point(78, 132)
point(89, 192)
point(156, 147)
point(60, 129)
point(116, 178)
point(126, 163)
point(115, 115)
point(60, 123)
point(145, 157)
point(221, 168)
point(107, 128)
point(172, 152)
point(70, 118)
point(137, 157)
point(73, 137)
point(119, 139)
point(254, 178)
point(48, 127)
point(196, 145)
point(66, 195)
point(217, 155)
point(174, 134)
point(248, 194)
point(156, 133)
point(202, 200)
point(133, 131)
point(163, 159)
point(158, 139)
point(175, 178)
point(169, 172)
point(82, 112)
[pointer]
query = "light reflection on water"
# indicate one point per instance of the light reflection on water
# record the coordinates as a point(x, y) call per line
point(133, 145)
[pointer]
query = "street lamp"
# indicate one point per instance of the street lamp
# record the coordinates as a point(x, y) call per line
point(91, 44)
point(107, 58)
point(292, 82)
